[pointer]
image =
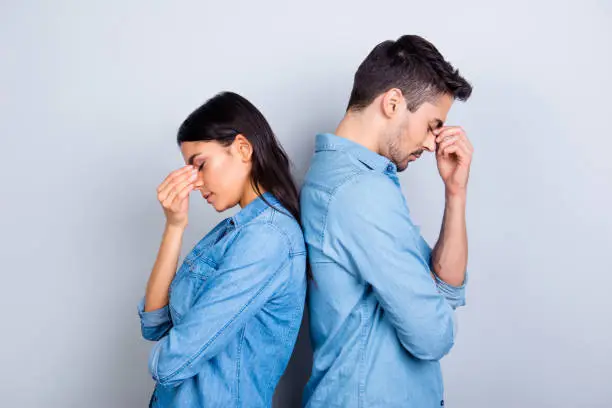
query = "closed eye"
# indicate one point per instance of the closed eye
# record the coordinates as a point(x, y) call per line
point(202, 165)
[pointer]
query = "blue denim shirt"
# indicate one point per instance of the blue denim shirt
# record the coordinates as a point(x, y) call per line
point(234, 312)
point(379, 322)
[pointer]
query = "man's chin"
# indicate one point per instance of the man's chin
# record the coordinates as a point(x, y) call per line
point(402, 166)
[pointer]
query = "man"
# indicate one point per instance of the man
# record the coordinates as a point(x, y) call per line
point(382, 301)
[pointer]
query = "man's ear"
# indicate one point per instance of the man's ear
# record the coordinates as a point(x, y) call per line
point(391, 102)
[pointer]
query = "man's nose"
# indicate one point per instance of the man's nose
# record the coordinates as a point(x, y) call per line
point(430, 143)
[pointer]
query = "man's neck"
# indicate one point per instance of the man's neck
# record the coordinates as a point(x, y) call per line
point(361, 128)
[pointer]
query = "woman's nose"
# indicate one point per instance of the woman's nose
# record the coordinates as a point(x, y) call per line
point(198, 181)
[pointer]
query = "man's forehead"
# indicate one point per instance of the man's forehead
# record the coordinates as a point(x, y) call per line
point(438, 109)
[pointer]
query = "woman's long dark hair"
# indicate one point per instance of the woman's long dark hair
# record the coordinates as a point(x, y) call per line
point(227, 115)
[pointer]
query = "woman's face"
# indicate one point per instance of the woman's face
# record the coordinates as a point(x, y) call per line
point(223, 171)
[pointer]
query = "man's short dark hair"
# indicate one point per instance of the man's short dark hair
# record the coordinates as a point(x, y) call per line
point(411, 64)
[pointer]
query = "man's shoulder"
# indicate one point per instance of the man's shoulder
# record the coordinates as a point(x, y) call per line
point(330, 169)
point(342, 171)
point(367, 190)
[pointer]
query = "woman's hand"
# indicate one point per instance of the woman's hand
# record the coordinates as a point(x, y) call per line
point(173, 195)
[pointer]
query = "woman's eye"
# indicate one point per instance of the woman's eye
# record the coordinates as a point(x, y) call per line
point(201, 165)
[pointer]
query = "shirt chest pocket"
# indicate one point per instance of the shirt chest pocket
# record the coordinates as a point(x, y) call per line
point(187, 284)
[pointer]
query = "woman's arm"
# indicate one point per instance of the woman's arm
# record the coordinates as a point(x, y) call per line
point(164, 269)
point(173, 195)
point(153, 309)
point(251, 271)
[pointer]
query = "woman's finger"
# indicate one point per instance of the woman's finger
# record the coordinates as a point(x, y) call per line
point(182, 195)
point(174, 192)
point(181, 178)
point(173, 176)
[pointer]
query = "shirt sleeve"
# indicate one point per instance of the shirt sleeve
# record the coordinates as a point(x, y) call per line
point(454, 295)
point(249, 273)
point(155, 323)
point(369, 232)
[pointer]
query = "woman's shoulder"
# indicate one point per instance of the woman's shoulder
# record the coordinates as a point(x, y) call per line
point(276, 224)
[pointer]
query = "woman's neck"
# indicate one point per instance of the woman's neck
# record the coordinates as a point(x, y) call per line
point(249, 195)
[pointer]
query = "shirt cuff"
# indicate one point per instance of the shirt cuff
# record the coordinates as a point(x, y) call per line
point(454, 295)
point(154, 361)
point(154, 317)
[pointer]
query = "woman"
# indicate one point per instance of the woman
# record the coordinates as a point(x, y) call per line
point(226, 323)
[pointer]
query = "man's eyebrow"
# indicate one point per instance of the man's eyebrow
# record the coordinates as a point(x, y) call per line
point(438, 123)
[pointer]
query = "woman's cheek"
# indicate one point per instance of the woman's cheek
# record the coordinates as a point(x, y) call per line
point(211, 178)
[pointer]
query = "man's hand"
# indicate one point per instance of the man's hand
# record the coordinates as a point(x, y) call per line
point(454, 156)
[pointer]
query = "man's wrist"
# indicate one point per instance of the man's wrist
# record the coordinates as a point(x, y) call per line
point(456, 197)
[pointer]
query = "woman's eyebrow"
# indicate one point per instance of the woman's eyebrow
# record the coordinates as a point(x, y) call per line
point(193, 156)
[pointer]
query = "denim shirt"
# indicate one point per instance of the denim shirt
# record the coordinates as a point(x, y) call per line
point(235, 307)
point(379, 321)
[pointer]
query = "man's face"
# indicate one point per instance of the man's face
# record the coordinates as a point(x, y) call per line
point(412, 132)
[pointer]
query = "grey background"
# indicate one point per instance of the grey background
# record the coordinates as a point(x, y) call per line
point(91, 94)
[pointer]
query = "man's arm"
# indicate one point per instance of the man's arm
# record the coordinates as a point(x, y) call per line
point(369, 233)
point(454, 156)
point(449, 257)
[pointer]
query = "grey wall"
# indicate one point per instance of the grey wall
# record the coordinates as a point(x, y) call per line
point(91, 94)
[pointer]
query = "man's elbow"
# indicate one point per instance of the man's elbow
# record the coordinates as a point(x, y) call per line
point(431, 347)
point(454, 280)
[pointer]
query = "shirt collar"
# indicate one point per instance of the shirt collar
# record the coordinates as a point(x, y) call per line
point(254, 208)
point(375, 161)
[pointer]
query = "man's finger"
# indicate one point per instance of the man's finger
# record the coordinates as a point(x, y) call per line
point(465, 146)
point(459, 148)
point(447, 151)
point(447, 131)
point(466, 140)
point(447, 141)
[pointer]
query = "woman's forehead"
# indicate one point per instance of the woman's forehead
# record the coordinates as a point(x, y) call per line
point(191, 150)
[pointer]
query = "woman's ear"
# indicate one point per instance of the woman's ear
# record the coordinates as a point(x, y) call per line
point(243, 147)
